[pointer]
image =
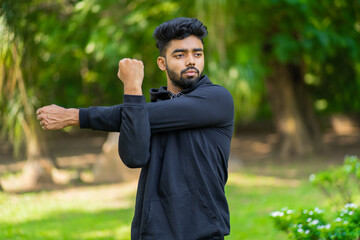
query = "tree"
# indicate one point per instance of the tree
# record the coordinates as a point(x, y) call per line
point(67, 53)
point(289, 37)
point(16, 103)
point(70, 51)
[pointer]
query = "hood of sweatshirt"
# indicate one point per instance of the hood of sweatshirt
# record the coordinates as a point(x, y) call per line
point(160, 94)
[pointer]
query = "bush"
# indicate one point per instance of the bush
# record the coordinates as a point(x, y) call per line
point(341, 184)
point(311, 224)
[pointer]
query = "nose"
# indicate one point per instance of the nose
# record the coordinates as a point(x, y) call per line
point(190, 62)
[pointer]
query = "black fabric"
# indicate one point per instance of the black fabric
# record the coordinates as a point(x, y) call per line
point(183, 155)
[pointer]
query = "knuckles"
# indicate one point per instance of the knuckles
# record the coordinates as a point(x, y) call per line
point(126, 62)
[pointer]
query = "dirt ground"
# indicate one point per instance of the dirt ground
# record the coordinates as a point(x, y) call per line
point(250, 148)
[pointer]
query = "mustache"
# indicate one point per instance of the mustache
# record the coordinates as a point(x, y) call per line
point(190, 68)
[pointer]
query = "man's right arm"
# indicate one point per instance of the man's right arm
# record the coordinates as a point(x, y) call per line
point(54, 117)
point(101, 118)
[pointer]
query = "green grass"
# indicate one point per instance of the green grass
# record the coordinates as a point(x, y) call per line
point(53, 215)
point(50, 215)
point(252, 198)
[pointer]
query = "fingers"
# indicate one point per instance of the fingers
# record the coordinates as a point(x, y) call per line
point(43, 124)
point(129, 66)
point(43, 116)
point(125, 62)
point(39, 111)
point(42, 119)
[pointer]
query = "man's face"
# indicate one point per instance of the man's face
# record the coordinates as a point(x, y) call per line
point(185, 61)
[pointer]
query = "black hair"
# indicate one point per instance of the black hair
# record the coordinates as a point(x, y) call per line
point(178, 28)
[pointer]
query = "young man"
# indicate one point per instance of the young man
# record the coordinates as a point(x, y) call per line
point(181, 140)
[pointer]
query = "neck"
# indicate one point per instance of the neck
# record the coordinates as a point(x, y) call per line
point(172, 88)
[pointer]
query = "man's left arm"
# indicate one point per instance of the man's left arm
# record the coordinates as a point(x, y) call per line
point(212, 106)
point(134, 139)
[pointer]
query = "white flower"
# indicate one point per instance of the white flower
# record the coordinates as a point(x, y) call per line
point(309, 219)
point(351, 213)
point(300, 230)
point(318, 210)
point(351, 205)
point(305, 212)
point(320, 227)
point(312, 177)
point(311, 213)
point(307, 231)
point(327, 226)
point(338, 219)
point(300, 226)
point(277, 214)
point(315, 222)
point(289, 211)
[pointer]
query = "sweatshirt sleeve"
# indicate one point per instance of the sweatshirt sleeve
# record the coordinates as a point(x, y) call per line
point(135, 133)
point(131, 119)
point(209, 106)
point(106, 119)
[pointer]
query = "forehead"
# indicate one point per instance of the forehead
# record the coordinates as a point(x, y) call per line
point(188, 43)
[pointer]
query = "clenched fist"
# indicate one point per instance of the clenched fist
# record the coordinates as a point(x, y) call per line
point(53, 117)
point(131, 73)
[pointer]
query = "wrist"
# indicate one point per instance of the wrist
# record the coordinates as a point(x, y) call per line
point(73, 117)
point(132, 90)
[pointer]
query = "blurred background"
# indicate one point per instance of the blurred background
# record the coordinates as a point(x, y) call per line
point(292, 67)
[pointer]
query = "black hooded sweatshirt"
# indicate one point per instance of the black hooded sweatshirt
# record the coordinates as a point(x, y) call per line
point(182, 144)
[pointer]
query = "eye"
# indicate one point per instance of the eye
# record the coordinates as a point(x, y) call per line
point(198, 54)
point(179, 55)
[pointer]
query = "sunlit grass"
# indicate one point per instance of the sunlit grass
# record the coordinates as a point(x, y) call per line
point(102, 212)
point(252, 198)
point(105, 212)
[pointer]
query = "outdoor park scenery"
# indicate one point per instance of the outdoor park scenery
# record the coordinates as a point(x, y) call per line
point(292, 67)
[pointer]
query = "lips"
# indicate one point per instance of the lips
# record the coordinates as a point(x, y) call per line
point(190, 72)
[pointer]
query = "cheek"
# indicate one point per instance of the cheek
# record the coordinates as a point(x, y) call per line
point(200, 64)
point(175, 66)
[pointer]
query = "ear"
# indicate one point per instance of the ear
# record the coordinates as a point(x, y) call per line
point(161, 62)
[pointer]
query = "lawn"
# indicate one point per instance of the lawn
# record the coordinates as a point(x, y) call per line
point(252, 198)
point(105, 211)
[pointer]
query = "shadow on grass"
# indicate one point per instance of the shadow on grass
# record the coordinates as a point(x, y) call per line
point(108, 224)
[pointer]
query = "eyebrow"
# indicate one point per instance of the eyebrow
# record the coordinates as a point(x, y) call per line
point(186, 50)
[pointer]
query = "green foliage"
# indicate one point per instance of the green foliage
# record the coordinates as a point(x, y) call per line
point(338, 185)
point(303, 225)
point(318, 35)
point(76, 45)
point(73, 47)
point(311, 224)
point(341, 184)
point(16, 101)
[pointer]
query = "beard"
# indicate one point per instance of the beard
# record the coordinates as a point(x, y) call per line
point(183, 82)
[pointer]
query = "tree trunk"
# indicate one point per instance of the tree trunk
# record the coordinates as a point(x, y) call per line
point(109, 167)
point(297, 126)
point(39, 165)
point(37, 172)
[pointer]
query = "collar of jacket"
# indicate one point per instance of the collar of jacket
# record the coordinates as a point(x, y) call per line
point(163, 94)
